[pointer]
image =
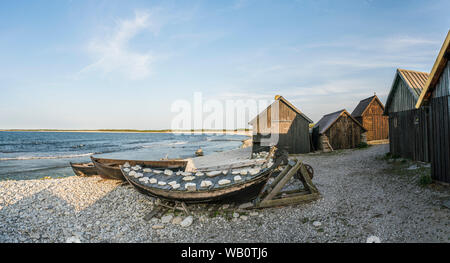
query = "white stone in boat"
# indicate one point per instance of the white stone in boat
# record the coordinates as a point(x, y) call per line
point(236, 172)
point(188, 178)
point(186, 174)
point(179, 173)
point(127, 170)
point(225, 172)
point(153, 181)
point(147, 170)
point(172, 183)
point(190, 186)
point(127, 165)
point(168, 172)
point(199, 174)
point(237, 178)
point(157, 171)
point(136, 168)
point(254, 171)
point(243, 172)
point(162, 183)
point(213, 173)
point(224, 182)
point(132, 173)
point(206, 183)
point(138, 175)
point(142, 179)
point(176, 186)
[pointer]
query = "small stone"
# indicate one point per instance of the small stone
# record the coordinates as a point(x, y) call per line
point(186, 173)
point(136, 168)
point(153, 181)
point(188, 178)
point(147, 170)
point(225, 206)
point(172, 183)
point(176, 186)
point(162, 183)
point(127, 165)
point(73, 239)
point(237, 178)
point(177, 220)
point(199, 174)
point(127, 170)
point(235, 215)
point(138, 175)
point(235, 172)
point(244, 217)
point(179, 173)
point(168, 172)
point(373, 239)
point(225, 172)
point(224, 182)
point(166, 219)
point(213, 173)
point(254, 213)
point(317, 224)
point(187, 221)
point(190, 186)
point(246, 205)
point(157, 171)
point(158, 226)
point(205, 184)
point(132, 173)
point(254, 171)
point(243, 172)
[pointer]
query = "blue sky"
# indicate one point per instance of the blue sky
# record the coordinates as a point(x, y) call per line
point(120, 64)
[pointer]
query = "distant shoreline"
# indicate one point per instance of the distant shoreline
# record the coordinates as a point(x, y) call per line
point(228, 132)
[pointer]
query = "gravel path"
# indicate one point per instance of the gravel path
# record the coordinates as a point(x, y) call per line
point(362, 195)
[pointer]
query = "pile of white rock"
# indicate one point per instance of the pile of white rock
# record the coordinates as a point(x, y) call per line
point(260, 155)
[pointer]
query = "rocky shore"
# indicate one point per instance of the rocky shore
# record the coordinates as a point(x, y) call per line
point(364, 196)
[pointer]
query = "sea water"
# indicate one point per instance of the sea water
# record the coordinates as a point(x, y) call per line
point(31, 155)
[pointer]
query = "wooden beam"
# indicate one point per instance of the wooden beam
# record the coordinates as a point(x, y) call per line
point(282, 182)
point(288, 200)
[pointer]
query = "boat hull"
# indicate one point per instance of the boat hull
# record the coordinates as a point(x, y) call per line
point(84, 169)
point(110, 168)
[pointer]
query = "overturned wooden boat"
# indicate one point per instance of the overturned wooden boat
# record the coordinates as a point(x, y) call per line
point(175, 184)
point(83, 169)
point(110, 168)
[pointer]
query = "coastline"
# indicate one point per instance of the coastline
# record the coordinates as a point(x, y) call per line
point(219, 132)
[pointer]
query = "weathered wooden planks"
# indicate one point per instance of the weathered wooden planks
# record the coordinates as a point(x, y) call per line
point(409, 134)
point(440, 139)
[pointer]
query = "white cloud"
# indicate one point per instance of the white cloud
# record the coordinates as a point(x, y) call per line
point(113, 55)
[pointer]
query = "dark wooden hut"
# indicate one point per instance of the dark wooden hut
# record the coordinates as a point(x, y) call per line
point(436, 95)
point(289, 125)
point(369, 112)
point(340, 129)
point(408, 126)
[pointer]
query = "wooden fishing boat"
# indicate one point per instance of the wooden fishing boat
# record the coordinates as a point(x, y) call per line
point(191, 187)
point(83, 169)
point(110, 168)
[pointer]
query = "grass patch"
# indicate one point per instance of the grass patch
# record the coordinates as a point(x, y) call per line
point(362, 145)
point(425, 180)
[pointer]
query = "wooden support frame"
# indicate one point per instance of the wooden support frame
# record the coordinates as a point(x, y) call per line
point(273, 196)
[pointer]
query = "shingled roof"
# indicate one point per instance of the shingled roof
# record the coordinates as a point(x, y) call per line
point(415, 81)
point(280, 98)
point(363, 104)
point(328, 120)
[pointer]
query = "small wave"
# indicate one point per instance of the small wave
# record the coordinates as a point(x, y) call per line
point(45, 157)
point(178, 143)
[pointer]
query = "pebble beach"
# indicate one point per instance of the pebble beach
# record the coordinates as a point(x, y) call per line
point(364, 197)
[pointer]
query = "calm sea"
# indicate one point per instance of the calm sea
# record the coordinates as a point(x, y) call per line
point(31, 155)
